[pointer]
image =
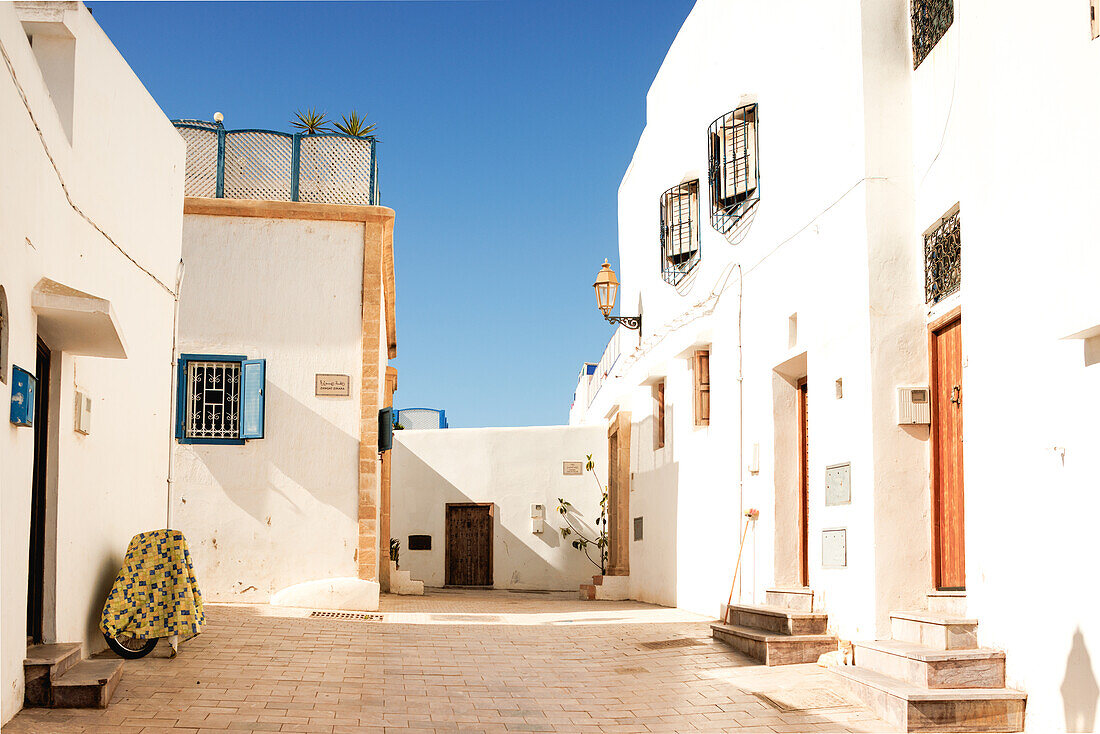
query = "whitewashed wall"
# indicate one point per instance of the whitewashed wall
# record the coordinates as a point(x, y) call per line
point(513, 468)
point(283, 509)
point(123, 167)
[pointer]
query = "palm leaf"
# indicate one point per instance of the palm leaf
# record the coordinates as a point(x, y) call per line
point(355, 125)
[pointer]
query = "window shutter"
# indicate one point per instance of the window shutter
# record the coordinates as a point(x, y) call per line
point(385, 429)
point(702, 387)
point(660, 415)
point(253, 389)
point(181, 396)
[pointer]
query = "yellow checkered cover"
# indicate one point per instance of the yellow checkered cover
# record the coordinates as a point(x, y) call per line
point(155, 594)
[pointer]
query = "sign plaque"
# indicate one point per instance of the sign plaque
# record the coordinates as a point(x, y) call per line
point(572, 468)
point(338, 386)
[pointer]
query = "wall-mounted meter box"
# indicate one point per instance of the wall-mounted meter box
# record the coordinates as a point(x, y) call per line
point(538, 511)
point(83, 418)
point(914, 406)
point(23, 386)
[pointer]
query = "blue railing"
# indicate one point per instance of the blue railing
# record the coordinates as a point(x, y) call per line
point(329, 168)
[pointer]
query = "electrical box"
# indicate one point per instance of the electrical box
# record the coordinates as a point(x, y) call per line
point(834, 548)
point(537, 525)
point(914, 406)
point(23, 386)
point(83, 418)
point(538, 511)
point(838, 484)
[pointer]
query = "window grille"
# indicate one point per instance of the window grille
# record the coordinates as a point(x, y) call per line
point(733, 170)
point(213, 399)
point(930, 20)
point(679, 231)
point(942, 259)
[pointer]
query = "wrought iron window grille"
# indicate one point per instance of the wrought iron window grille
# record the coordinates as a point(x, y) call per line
point(943, 259)
point(733, 170)
point(680, 249)
point(213, 400)
point(930, 20)
point(326, 168)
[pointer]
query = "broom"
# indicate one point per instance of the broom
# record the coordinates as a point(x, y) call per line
point(752, 513)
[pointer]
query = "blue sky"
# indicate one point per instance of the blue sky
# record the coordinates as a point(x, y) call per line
point(506, 126)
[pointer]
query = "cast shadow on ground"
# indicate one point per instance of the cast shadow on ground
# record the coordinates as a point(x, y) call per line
point(1079, 687)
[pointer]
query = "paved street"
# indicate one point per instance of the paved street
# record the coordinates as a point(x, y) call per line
point(461, 661)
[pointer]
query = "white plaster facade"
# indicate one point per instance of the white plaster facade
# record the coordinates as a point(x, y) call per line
point(859, 154)
point(512, 468)
point(90, 222)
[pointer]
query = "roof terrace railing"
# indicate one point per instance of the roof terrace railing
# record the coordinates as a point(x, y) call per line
point(326, 168)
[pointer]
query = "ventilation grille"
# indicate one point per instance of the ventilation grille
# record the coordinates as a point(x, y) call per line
point(665, 644)
point(352, 616)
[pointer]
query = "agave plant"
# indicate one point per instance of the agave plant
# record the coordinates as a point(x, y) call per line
point(310, 121)
point(355, 125)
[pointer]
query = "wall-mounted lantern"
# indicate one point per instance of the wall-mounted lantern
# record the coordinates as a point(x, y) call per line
point(607, 290)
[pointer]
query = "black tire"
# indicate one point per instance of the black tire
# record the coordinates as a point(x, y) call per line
point(132, 648)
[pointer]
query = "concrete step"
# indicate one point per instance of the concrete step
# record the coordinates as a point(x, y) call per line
point(588, 592)
point(911, 708)
point(597, 580)
point(88, 684)
point(774, 649)
point(927, 668)
point(777, 620)
point(46, 663)
point(936, 630)
point(800, 599)
point(947, 602)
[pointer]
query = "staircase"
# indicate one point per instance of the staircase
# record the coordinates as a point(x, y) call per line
point(783, 631)
point(57, 677)
point(614, 588)
point(932, 676)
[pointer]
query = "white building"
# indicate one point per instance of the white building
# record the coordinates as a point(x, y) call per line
point(89, 257)
point(845, 150)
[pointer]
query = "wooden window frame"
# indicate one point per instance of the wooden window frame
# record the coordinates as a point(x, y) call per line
point(701, 370)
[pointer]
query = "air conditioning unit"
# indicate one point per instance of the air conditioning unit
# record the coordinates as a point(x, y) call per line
point(914, 406)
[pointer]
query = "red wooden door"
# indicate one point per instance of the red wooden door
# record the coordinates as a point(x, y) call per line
point(803, 485)
point(948, 538)
point(468, 553)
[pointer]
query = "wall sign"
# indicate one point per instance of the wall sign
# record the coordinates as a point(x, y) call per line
point(22, 396)
point(338, 386)
point(572, 468)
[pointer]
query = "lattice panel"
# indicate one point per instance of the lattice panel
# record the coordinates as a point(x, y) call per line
point(201, 172)
point(733, 167)
point(258, 165)
point(213, 399)
point(943, 259)
point(418, 418)
point(335, 170)
point(680, 230)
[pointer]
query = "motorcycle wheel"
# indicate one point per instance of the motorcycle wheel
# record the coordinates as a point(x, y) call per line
point(130, 648)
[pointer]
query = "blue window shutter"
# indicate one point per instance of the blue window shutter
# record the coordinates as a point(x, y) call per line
point(253, 388)
point(181, 395)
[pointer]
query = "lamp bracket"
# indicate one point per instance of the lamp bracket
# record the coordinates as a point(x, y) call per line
point(630, 322)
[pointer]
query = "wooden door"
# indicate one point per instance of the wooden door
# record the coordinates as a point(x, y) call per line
point(803, 486)
point(948, 547)
point(468, 552)
point(36, 577)
point(618, 495)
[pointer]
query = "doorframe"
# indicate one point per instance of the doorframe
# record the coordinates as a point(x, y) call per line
point(937, 324)
point(447, 539)
point(802, 401)
point(49, 418)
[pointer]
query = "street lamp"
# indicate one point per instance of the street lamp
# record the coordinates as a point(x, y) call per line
point(607, 290)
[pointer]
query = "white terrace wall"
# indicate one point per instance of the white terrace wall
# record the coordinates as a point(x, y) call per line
point(122, 164)
point(512, 468)
point(280, 510)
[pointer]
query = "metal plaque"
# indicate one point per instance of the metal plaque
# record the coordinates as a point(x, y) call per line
point(834, 548)
point(572, 468)
point(332, 386)
point(838, 484)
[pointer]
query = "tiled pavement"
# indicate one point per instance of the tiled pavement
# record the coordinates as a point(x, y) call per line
point(455, 661)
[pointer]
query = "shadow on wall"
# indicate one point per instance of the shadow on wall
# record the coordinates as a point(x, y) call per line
point(302, 446)
point(1079, 688)
point(109, 567)
point(655, 497)
point(515, 563)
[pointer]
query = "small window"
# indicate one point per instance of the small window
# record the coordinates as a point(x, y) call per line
point(220, 399)
point(637, 528)
point(660, 415)
point(679, 231)
point(733, 170)
point(943, 258)
point(420, 542)
point(702, 387)
point(930, 21)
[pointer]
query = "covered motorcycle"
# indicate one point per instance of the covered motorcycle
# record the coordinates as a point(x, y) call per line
point(155, 595)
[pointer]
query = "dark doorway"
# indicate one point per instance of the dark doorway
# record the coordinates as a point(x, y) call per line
point(36, 576)
point(468, 553)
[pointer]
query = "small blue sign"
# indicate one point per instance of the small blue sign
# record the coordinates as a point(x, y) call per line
point(22, 396)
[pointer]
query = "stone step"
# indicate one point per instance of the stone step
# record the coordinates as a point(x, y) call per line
point(947, 602)
point(597, 580)
point(936, 630)
point(777, 620)
point(588, 592)
point(46, 663)
point(88, 684)
point(927, 668)
point(911, 708)
point(773, 649)
point(800, 599)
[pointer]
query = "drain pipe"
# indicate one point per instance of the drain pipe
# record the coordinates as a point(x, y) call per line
point(172, 394)
point(741, 432)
